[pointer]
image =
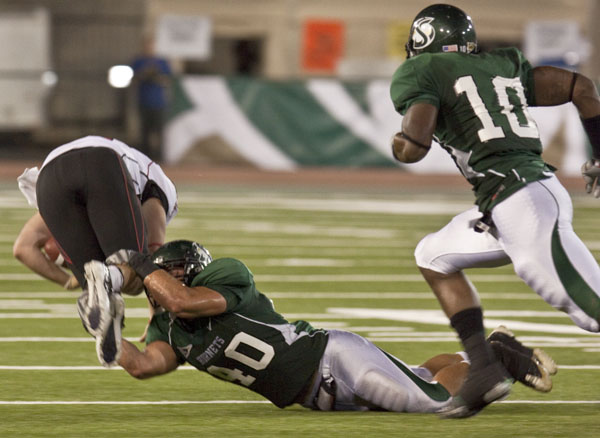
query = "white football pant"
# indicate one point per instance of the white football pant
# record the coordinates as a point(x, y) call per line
point(533, 229)
point(367, 378)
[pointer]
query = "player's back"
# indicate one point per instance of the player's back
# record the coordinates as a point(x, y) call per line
point(482, 100)
point(483, 120)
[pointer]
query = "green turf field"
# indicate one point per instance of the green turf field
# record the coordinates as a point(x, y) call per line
point(338, 258)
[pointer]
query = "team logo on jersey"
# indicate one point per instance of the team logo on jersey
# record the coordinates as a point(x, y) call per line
point(423, 33)
point(185, 350)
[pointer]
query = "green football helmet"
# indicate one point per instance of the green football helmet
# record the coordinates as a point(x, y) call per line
point(191, 256)
point(441, 28)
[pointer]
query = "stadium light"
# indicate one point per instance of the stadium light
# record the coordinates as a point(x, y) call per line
point(119, 76)
point(49, 78)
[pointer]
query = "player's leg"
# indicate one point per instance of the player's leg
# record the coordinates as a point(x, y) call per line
point(113, 208)
point(535, 228)
point(448, 369)
point(442, 256)
point(61, 202)
point(368, 378)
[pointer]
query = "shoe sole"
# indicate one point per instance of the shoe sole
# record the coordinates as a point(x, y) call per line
point(117, 309)
point(110, 307)
point(498, 392)
point(98, 297)
point(541, 383)
point(546, 361)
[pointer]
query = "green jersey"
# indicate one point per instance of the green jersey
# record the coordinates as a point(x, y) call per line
point(483, 121)
point(250, 344)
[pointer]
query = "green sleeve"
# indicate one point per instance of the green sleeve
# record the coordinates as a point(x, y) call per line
point(158, 330)
point(412, 83)
point(231, 278)
point(527, 79)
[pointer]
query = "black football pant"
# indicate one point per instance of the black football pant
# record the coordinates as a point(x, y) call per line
point(87, 199)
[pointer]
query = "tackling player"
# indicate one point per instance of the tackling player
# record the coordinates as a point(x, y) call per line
point(475, 106)
point(219, 322)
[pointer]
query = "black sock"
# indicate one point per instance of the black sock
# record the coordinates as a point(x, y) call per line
point(469, 326)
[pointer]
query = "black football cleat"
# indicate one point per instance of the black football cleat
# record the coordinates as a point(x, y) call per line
point(482, 387)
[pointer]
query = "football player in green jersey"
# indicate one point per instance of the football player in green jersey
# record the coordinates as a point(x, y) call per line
point(218, 321)
point(475, 106)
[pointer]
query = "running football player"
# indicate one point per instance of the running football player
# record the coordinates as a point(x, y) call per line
point(475, 106)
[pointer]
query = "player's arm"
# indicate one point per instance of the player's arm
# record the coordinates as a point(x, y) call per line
point(155, 219)
point(155, 207)
point(170, 293)
point(157, 358)
point(414, 141)
point(184, 301)
point(28, 250)
point(555, 86)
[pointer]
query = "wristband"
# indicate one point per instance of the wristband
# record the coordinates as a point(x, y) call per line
point(142, 264)
point(592, 129)
point(413, 141)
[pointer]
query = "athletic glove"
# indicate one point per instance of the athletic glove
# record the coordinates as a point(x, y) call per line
point(591, 172)
point(120, 256)
point(141, 263)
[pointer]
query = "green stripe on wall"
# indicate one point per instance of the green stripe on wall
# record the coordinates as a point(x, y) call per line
point(579, 291)
point(288, 115)
point(179, 100)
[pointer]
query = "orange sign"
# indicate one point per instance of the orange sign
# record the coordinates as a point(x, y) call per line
point(323, 45)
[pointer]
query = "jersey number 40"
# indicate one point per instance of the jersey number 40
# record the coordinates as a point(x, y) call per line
point(232, 352)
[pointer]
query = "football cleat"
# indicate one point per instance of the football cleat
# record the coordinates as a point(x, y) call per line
point(503, 335)
point(105, 313)
point(523, 368)
point(108, 343)
point(482, 387)
point(538, 377)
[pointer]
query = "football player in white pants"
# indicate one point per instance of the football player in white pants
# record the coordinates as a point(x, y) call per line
point(475, 105)
point(533, 230)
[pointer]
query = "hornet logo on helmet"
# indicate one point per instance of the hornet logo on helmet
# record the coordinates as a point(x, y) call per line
point(423, 33)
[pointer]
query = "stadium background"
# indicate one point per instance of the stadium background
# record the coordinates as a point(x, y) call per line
point(330, 240)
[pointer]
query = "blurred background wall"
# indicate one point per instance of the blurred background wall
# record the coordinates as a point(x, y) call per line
point(56, 54)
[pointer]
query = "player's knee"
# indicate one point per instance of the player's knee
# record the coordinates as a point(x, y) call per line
point(377, 388)
point(428, 255)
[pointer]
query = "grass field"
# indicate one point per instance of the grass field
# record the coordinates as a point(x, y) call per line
point(340, 258)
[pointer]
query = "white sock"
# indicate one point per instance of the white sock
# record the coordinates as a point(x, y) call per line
point(116, 278)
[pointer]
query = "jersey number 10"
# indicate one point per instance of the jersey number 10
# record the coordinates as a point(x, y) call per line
point(466, 84)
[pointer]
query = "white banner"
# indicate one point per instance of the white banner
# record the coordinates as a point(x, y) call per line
point(184, 36)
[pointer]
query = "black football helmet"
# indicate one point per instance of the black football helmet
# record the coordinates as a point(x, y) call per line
point(441, 28)
point(191, 256)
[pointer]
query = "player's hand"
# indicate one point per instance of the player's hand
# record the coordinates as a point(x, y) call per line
point(71, 283)
point(591, 172)
point(121, 256)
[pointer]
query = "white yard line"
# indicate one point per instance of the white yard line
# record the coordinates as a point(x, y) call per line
point(243, 402)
